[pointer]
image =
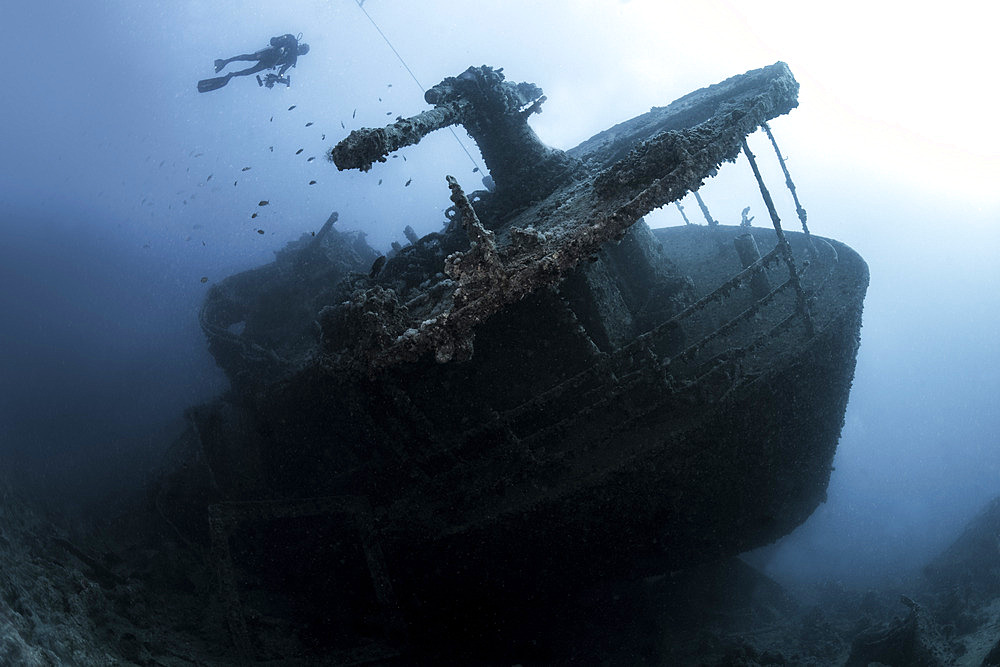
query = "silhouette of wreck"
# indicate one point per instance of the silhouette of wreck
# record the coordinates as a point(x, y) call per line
point(545, 393)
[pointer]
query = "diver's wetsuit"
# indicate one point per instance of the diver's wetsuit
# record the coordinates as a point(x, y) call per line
point(284, 51)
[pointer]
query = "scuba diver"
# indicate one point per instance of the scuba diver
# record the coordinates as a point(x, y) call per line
point(283, 52)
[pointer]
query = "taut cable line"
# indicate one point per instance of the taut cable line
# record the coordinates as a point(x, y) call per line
point(361, 6)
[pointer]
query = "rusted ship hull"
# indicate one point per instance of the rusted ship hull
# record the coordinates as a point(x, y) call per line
point(637, 484)
point(636, 464)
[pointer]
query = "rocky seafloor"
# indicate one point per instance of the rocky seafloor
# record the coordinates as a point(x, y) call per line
point(129, 591)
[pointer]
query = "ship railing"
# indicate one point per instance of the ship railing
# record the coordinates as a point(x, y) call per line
point(721, 356)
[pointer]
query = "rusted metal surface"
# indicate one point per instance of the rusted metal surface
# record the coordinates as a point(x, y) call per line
point(591, 198)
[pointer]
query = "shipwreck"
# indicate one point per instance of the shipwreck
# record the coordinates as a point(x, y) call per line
point(425, 446)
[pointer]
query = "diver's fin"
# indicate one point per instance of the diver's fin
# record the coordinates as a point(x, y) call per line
point(219, 64)
point(206, 85)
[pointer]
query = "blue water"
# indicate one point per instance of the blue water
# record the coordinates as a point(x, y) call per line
point(122, 188)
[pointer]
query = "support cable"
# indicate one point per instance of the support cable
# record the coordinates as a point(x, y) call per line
point(786, 250)
point(683, 214)
point(712, 222)
point(788, 180)
point(361, 6)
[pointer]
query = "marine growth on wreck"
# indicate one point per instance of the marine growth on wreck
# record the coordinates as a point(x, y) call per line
point(544, 392)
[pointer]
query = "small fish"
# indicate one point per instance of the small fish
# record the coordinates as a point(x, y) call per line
point(272, 120)
point(323, 138)
point(245, 169)
point(312, 182)
point(342, 125)
point(253, 216)
point(204, 279)
point(199, 154)
point(234, 184)
point(263, 202)
point(354, 114)
point(291, 107)
point(389, 86)
point(380, 99)
point(209, 178)
point(310, 159)
point(475, 170)
point(407, 182)
point(377, 266)
point(299, 151)
point(161, 164)
point(388, 113)
point(272, 148)
point(394, 157)
point(380, 181)
point(404, 158)
point(309, 123)
point(260, 231)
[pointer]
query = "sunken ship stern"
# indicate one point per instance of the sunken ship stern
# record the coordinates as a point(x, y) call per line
point(660, 474)
point(545, 393)
point(474, 506)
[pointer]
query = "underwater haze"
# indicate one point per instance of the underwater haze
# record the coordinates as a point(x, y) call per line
point(125, 194)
